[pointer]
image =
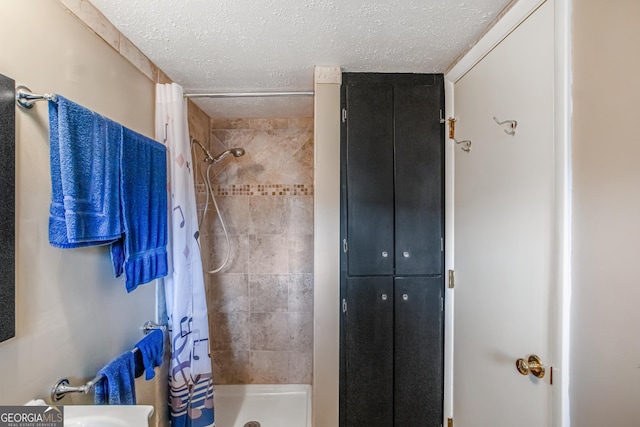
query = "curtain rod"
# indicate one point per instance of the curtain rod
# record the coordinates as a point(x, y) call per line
point(248, 94)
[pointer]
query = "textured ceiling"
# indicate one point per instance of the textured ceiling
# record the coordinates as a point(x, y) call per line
point(246, 45)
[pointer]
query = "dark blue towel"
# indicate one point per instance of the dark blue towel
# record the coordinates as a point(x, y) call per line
point(151, 348)
point(117, 386)
point(85, 152)
point(142, 253)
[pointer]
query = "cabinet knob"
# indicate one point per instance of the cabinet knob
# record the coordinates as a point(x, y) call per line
point(385, 254)
point(384, 297)
point(406, 254)
point(405, 297)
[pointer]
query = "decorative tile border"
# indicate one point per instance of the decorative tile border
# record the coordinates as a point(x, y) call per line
point(261, 189)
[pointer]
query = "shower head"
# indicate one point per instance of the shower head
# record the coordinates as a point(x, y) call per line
point(236, 152)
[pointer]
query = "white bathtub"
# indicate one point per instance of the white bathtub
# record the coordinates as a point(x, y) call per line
point(286, 405)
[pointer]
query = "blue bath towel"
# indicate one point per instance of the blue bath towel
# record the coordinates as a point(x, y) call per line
point(142, 253)
point(117, 386)
point(85, 152)
point(151, 348)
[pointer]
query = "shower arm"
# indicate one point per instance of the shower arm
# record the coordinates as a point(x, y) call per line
point(209, 158)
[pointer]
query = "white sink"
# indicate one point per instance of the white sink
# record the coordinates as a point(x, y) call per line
point(107, 415)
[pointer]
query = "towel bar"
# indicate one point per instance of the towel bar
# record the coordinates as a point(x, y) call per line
point(150, 326)
point(25, 99)
point(62, 387)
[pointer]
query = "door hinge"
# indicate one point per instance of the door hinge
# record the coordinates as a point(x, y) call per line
point(344, 115)
point(441, 244)
point(452, 279)
point(449, 422)
point(344, 305)
point(452, 127)
point(441, 304)
point(345, 246)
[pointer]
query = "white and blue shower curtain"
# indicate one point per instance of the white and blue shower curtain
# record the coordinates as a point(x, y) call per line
point(190, 378)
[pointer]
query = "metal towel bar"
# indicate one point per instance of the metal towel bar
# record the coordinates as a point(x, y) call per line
point(62, 387)
point(25, 98)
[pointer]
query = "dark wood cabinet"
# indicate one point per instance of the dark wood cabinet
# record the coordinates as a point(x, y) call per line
point(392, 226)
point(369, 347)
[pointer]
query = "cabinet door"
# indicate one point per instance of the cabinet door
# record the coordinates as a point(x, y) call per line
point(419, 349)
point(370, 179)
point(369, 352)
point(419, 191)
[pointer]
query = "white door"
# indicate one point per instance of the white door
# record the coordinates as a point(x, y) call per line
point(504, 228)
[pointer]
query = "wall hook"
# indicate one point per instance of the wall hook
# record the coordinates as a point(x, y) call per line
point(512, 125)
point(466, 147)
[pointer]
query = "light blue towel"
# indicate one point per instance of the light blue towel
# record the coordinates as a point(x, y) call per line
point(142, 253)
point(85, 154)
point(117, 386)
point(151, 348)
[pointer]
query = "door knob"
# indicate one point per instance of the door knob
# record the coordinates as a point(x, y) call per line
point(533, 365)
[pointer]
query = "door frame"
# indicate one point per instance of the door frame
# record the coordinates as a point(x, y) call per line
point(559, 340)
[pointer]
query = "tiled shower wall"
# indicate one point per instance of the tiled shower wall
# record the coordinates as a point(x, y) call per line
point(261, 303)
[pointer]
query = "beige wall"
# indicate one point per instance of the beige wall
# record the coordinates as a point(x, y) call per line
point(261, 303)
point(72, 315)
point(605, 348)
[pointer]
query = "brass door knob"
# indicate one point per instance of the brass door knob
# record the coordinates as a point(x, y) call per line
point(532, 366)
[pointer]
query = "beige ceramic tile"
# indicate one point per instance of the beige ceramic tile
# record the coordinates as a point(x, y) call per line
point(305, 154)
point(227, 293)
point(236, 137)
point(95, 20)
point(293, 170)
point(230, 367)
point(215, 144)
point(300, 331)
point(270, 331)
point(268, 215)
point(238, 171)
point(219, 123)
point(266, 124)
point(135, 56)
point(300, 367)
point(301, 123)
point(290, 141)
point(235, 214)
point(300, 214)
point(198, 123)
point(300, 298)
point(238, 258)
point(229, 331)
point(269, 254)
point(269, 367)
point(300, 254)
point(269, 292)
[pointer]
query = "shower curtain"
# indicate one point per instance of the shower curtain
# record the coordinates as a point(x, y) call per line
point(190, 379)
